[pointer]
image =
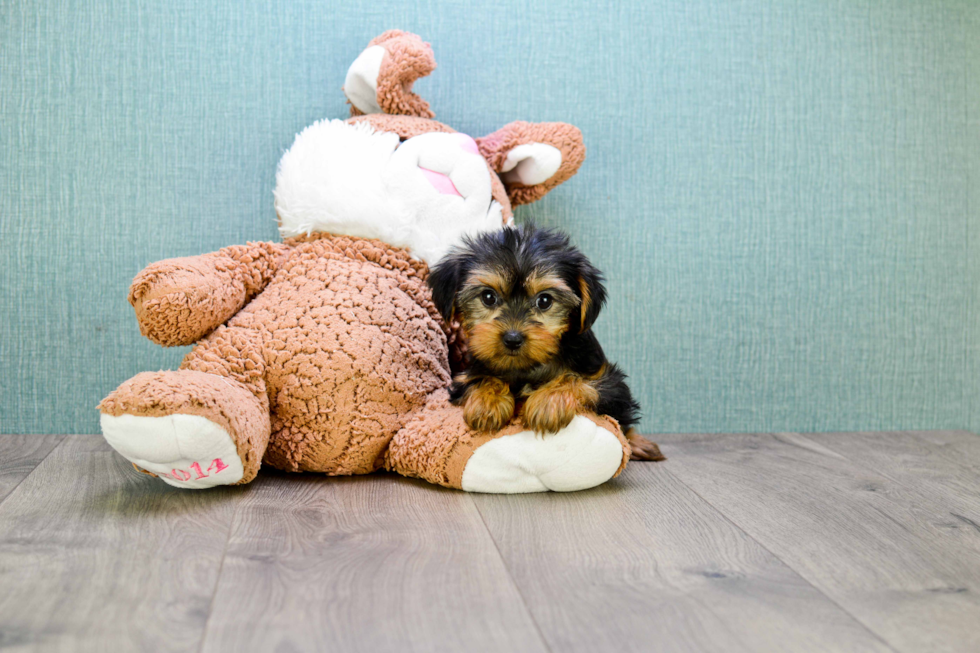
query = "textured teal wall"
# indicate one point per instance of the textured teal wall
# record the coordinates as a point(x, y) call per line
point(784, 195)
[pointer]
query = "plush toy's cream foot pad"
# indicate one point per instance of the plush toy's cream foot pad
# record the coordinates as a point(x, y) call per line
point(186, 451)
point(580, 456)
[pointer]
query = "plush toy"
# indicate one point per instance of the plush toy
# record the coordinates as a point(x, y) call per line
point(324, 353)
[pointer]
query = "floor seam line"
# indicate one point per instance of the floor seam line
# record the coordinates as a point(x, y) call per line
point(217, 580)
point(31, 473)
point(517, 588)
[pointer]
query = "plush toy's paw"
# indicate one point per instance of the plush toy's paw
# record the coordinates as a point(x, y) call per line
point(179, 301)
point(187, 451)
point(584, 454)
point(552, 407)
point(489, 405)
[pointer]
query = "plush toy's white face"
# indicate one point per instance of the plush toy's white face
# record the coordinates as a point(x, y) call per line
point(423, 194)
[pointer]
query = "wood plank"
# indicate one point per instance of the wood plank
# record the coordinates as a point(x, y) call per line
point(941, 465)
point(96, 556)
point(372, 563)
point(886, 553)
point(961, 442)
point(642, 563)
point(19, 455)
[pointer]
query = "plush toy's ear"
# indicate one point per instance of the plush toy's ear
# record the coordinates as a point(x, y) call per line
point(592, 292)
point(381, 78)
point(533, 158)
point(445, 278)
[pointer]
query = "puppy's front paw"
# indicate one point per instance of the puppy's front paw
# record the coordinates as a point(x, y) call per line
point(489, 405)
point(548, 413)
point(552, 407)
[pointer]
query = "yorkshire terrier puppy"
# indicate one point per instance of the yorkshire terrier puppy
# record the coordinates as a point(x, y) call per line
point(526, 300)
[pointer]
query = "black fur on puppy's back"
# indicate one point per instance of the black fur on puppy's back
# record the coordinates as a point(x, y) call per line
point(615, 398)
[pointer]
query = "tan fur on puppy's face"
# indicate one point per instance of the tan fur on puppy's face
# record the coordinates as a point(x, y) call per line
point(517, 307)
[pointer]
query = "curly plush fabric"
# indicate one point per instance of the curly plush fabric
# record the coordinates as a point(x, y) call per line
point(566, 138)
point(404, 126)
point(243, 415)
point(351, 343)
point(180, 300)
point(341, 345)
point(407, 58)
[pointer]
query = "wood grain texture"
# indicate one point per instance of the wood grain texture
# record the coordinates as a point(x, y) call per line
point(642, 563)
point(95, 556)
point(372, 563)
point(943, 466)
point(756, 542)
point(884, 551)
point(19, 455)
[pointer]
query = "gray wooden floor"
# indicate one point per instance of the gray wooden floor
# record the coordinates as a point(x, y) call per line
point(764, 542)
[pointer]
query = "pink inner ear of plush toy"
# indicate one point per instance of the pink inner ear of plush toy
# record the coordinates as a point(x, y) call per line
point(440, 182)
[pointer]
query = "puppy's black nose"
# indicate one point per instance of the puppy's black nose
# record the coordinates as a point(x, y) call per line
point(513, 340)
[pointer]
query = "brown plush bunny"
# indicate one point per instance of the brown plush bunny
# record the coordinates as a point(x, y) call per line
point(324, 353)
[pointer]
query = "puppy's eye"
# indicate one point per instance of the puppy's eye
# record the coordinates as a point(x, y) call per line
point(544, 302)
point(489, 298)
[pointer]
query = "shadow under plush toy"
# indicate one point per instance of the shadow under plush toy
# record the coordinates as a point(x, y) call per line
point(325, 353)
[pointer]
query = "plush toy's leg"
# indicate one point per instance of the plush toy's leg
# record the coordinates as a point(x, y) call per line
point(206, 424)
point(436, 445)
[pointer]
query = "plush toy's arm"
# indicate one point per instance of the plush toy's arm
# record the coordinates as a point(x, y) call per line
point(178, 301)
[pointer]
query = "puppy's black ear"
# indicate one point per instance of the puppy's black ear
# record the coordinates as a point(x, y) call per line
point(592, 293)
point(444, 280)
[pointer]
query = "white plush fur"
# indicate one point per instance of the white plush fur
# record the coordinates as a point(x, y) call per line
point(580, 456)
point(349, 179)
point(168, 446)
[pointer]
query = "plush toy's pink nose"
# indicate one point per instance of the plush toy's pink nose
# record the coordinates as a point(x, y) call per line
point(467, 143)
